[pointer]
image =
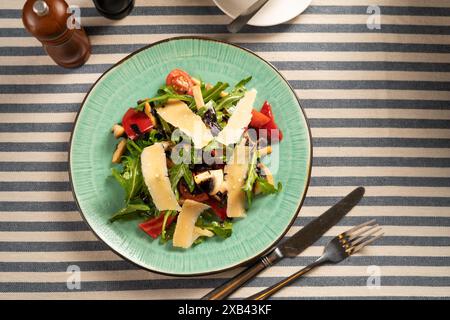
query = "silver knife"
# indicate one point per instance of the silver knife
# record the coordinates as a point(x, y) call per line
point(293, 246)
point(239, 22)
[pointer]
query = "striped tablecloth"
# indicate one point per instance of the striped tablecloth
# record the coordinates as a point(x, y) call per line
point(378, 101)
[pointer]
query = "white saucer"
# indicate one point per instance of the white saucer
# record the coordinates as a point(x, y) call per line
point(274, 12)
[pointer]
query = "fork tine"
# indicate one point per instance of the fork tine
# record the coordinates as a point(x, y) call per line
point(365, 243)
point(349, 232)
point(366, 236)
point(361, 231)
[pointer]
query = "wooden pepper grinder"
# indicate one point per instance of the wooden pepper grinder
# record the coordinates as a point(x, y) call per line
point(48, 22)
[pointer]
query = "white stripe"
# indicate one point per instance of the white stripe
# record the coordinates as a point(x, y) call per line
point(34, 136)
point(314, 251)
point(381, 191)
point(365, 75)
point(374, 113)
point(305, 37)
point(321, 19)
point(317, 171)
point(38, 117)
point(373, 94)
point(380, 211)
point(317, 133)
point(379, 172)
point(390, 231)
point(342, 75)
point(111, 58)
point(381, 152)
point(60, 176)
point(74, 236)
point(25, 216)
point(289, 292)
point(380, 133)
point(323, 191)
point(142, 275)
point(302, 94)
point(14, 4)
point(27, 196)
point(33, 156)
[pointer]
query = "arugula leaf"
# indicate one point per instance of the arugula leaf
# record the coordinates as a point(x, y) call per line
point(166, 216)
point(234, 95)
point(266, 187)
point(209, 221)
point(252, 175)
point(131, 208)
point(179, 171)
point(130, 178)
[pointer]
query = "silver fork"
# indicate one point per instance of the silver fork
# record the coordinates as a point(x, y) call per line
point(337, 250)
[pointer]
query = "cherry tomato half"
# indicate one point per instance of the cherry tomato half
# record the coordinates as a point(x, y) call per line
point(180, 81)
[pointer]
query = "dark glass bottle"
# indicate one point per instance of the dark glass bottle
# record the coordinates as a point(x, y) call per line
point(114, 9)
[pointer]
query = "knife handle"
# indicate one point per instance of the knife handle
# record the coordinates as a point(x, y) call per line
point(239, 280)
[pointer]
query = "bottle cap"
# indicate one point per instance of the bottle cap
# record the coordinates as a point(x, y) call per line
point(40, 7)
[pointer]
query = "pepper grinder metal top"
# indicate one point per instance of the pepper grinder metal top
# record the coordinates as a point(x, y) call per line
point(40, 8)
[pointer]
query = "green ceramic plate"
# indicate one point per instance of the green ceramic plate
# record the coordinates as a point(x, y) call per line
point(140, 75)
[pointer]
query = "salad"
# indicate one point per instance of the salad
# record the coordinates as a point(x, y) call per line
point(189, 158)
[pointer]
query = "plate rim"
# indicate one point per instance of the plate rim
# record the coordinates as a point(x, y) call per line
point(228, 14)
point(242, 263)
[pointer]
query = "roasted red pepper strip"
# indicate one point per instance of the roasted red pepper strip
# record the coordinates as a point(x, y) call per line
point(153, 227)
point(136, 123)
point(259, 119)
point(219, 210)
point(267, 110)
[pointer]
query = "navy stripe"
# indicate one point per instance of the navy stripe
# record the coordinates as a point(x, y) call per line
point(38, 206)
point(212, 10)
point(381, 161)
point(100, 246)
point(379, 123)
point(383, 201)
point(297, 84)
point(33, 166)
point(39, 107)
point(306, 103)
point(185, 283)
point(381, 142)
point(362, 65)
point(374, 103)
point(269, 47)
point(317, 161)
point(380, 181)
point(119, 265)
point(318, 142)
point(37, 127)
point(310, 201)
point(44, 226)
point(315, 123)
point(35, 186)
point(282, 65)
point(302, 221)
point(315, 181)
point(32, 146)
point(221, 28)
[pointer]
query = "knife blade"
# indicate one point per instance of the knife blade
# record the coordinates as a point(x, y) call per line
point(310, 233)
point(293, 246)
point(239, 22)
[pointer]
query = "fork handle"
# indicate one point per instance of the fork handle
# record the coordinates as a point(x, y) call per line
point(266, 293)
point(239, 280)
